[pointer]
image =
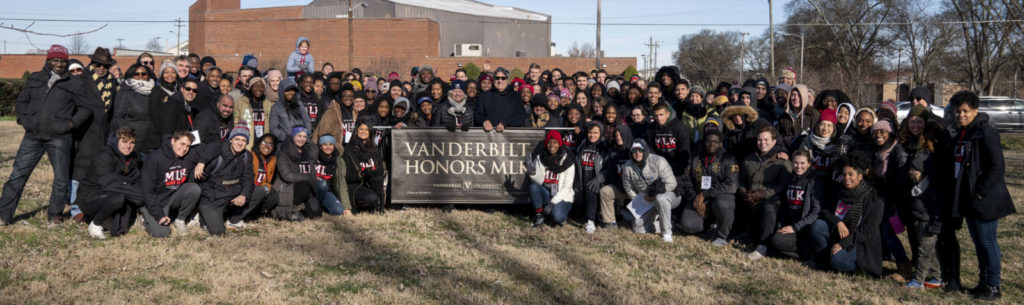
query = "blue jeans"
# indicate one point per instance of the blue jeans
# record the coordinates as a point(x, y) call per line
point(327, 198)
point(845, 260)
point(75, 210)
point(540, 196)
point(983, 234)
point(819, 236)
point(29, 153)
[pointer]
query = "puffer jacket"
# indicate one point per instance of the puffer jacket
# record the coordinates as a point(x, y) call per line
point(765, 172)
point(637, 178)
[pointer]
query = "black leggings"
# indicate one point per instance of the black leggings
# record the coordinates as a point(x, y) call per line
point(303, 194)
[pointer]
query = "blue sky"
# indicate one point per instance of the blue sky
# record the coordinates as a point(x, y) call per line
point(617, 40)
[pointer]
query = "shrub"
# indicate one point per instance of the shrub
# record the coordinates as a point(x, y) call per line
point(472, 70)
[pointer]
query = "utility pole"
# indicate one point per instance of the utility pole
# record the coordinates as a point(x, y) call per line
point(657, 45)
point(598, 63)
point(771, 36)
point(120, 43)
point(350, 35)
point(650, 56)
point(742, 39)
point(643, 57)
point(177, 48)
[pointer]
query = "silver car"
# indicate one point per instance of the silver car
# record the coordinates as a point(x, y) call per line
point(1003, 112)
point(903, 108)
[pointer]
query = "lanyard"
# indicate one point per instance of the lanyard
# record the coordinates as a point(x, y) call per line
point(189, 116)
point(706, 161)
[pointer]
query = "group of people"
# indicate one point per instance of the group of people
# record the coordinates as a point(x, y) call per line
point(788, 171)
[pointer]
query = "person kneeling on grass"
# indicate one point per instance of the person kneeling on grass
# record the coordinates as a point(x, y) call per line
point(110, 191)
point(850, 227)
point(552, 173)
point(295, 178)
point(648, 178)
point(168, 187)
point(365, 172)
point(712, 179)
point(263, 196)
point(227, 178)
point(800, 206)
point(331, 189)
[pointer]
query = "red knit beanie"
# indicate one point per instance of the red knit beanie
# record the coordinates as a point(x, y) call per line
point(828, 115)
point(553, 135)
point(57, 51)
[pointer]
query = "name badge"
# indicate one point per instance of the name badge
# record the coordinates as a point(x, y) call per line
point(705, 182)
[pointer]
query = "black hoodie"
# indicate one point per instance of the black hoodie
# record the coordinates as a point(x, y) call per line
point(590, 158)
point(617, 156)
point(226, 174)
point(671, 141)
point(362, 161)
point(570, 138)
point(212, 128)
point(162, 174)
point(113, 172)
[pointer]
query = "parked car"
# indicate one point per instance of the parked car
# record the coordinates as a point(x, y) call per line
point(1004, 112)
point(903, 108)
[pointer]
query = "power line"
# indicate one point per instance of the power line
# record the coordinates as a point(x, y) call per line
point(529, 21)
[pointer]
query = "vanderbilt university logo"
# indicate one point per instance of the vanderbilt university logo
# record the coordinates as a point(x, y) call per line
point(468, 185)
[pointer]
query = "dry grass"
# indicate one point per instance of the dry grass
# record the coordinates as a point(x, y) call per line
point(425, 256)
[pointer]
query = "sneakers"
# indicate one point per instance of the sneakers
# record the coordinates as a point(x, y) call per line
point(758, 253)
point(590, 228)
point(913, 283)
point(932, 283)
point(986, 293)
point(952, 287)
point(538, 220)
point(666, 237)
point(181, 227)
point(237, 225)
point(96, 231)
point(638, 226)
point(609, 225)
point(195, 221)
point(719, 242)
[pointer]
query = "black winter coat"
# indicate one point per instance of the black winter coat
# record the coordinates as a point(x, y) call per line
point(51, 113)
point(503, 107)
point(212, 128)
point(174, 116)
point(980, 189)
point(671, 141)
point(226, 174)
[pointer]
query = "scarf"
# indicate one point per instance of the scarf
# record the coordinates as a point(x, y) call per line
point(855, 198)
point(817, 141)
point(167, 88)
point(457, 109)
point(557, 163)
point(882, 157)
point(143, 87)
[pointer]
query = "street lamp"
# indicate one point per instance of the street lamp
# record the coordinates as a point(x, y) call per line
point(801, 49)
point(350, 48)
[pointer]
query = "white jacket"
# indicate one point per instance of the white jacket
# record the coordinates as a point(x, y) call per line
point(565, 180)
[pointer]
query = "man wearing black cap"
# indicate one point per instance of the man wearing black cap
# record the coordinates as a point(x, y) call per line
point(49, 107)
point(923, 96)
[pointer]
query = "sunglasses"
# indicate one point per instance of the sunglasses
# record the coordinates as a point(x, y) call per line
point(189, 89)
point(373, 91)
point(501, 77)
point(105, 66)
point(140, 74)
point(147, 63)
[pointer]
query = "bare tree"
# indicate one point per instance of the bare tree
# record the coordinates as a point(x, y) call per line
point(708, 56)
point(154, 44)
point(586, 50)
point(851, 43)
point(925, 38)
point(986, 43)
point(79, 45)
point(756, 54)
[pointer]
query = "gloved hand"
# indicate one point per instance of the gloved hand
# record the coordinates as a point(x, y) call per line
point(465, 127)
point(757, 196)
point(450, 126)
point(531, 168)
point(594, 185)
point(655, 188)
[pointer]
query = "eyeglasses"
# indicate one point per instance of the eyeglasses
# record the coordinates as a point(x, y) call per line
point(76, 70)
point(501, 77)
point(372, 91)
point(147, 63)
point(189, 89)
point(267, 143)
